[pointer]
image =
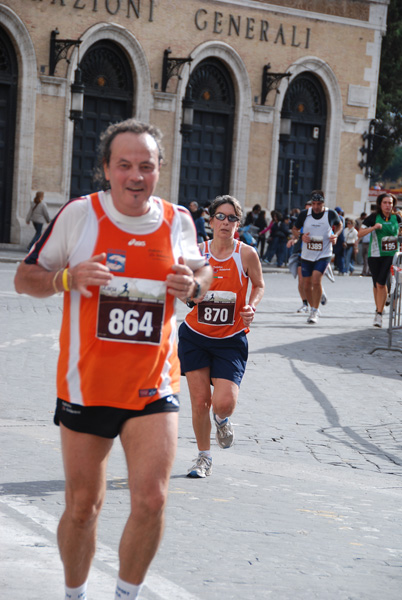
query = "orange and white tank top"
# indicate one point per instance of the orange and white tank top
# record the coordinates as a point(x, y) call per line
point(218, 315)
point(118, 348)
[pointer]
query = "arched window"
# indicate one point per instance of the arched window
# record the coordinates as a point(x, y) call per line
point(108, 98)
point(206, 153)
point(8, 105)
point(301, 148)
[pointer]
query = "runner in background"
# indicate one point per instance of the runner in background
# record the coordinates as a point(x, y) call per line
point(384, 227)
point(320, 227)
point(213, 347)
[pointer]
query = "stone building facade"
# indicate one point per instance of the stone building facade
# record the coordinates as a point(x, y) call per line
point(282, 90)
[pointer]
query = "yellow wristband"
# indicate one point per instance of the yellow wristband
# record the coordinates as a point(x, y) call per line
point(65, 280)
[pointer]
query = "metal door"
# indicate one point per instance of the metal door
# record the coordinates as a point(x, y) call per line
point(8, 103)
point(108, 99)
point(206, 153)
point(301, 152)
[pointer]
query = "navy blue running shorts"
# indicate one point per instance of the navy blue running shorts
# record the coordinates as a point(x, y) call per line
point(308, 266)
point(106, 421)
point(225, 357)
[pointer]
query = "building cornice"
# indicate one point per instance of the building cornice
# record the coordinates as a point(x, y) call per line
point(377, 19)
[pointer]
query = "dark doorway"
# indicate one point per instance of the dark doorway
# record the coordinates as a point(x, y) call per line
point(301, 150)
point(108, 98)
point(206, 153)
point(8, 104)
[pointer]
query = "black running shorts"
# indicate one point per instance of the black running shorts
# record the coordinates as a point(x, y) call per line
point(107, 421)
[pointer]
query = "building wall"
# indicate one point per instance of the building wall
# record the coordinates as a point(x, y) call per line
point(339, 40)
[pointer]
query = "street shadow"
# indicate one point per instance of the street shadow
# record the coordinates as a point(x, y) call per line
point(40, 489)
point(357, 351)
point(36, 489)
point(367, 440)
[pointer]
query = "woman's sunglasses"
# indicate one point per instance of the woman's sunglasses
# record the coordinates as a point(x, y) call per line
point(230, 218)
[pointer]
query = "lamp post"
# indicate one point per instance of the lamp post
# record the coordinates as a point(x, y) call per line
point(187, 114)
point(77, 97)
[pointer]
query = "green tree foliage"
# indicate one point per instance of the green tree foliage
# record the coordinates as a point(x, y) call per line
point(394, 171)
point(389, 99)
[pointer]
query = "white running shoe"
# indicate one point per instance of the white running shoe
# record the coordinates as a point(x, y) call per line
point(324, 298)
point(313, 317)
point(202, 467)
point(303, 309)
point(377, 320)
point(224, 433)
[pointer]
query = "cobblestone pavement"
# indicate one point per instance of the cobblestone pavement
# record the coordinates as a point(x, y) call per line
point(306, 505)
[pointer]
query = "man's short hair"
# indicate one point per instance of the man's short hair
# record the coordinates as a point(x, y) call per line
point(107, 137)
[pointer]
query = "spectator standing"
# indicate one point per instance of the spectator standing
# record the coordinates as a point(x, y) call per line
point(339, 247)
point(39, 215)
point(261, 223)
point(252, 216)
point(198, 217)
point(273, 240)
point(351, 241)
point(294, 213)
point(283, 235)
point(359, 220)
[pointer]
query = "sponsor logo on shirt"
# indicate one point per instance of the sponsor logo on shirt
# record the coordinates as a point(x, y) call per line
point(148, 392)
point(116, 261)
point(134, 242)
point(219, 272)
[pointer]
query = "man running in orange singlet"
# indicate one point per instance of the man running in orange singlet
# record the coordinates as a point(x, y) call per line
point(121, 257)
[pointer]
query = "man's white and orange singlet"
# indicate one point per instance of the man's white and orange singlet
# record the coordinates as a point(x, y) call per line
point(118, 348)
point(218, 315)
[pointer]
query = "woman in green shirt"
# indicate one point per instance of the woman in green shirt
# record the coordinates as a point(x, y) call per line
point(384, 228)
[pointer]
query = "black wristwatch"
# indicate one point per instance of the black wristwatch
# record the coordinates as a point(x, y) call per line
point(190, 303)
point(197, 289)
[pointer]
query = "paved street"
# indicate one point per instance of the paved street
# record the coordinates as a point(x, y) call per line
point(306, 505)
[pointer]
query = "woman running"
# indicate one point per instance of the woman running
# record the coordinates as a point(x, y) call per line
point(213, 347)
point(384, 227)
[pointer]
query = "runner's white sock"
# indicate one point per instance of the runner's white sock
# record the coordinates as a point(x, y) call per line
point(219, 420)
point(206, 453)
point(78, 593)
point(125, 590)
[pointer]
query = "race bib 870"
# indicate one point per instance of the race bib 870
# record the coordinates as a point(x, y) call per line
point(217, 308)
